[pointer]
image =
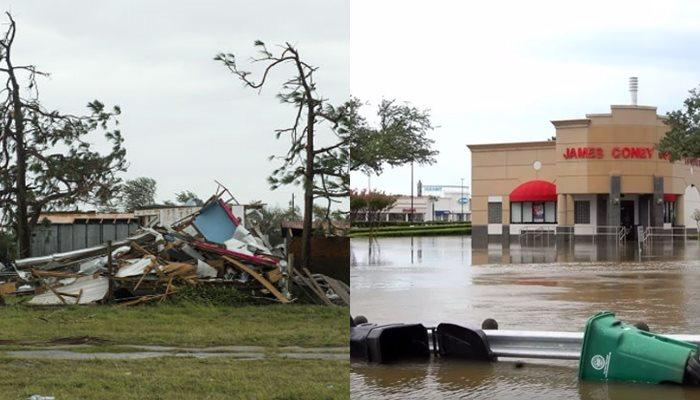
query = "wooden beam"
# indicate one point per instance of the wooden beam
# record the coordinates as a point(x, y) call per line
point(321, 294)
point(257, 277)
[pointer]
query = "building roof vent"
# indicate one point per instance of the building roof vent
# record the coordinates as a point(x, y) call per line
point(634, 85)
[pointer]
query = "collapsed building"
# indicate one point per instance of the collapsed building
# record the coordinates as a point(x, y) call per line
point(210, 246)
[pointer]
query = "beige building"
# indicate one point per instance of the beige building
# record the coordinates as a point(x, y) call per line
point(601, 176)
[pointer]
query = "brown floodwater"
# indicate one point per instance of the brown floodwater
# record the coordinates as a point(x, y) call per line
point(442, 279)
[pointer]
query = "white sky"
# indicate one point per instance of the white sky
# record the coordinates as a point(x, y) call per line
point(489, 71)
point(500, 71)
point(186, 121)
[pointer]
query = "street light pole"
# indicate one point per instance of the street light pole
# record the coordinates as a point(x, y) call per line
point(461, 202)
point(410, 215)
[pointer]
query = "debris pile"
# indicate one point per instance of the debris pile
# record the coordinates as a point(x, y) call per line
point(209, 247)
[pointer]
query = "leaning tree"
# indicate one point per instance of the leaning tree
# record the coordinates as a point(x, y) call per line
point(400, 137)
point(46, 160)
point(323, 171)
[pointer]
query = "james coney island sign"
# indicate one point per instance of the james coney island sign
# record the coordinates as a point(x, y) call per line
point(621, 152)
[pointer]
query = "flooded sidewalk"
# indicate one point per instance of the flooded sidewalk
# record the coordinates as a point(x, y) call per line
point(442, 279)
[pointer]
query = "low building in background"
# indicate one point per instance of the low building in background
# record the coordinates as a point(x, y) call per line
point(450, 207)
point(60, 231)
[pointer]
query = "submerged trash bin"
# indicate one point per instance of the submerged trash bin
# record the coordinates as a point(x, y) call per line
point(455, 341)
point(388, 343)
point(615, 351)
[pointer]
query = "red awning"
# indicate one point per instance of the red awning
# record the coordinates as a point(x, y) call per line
point(670, 197)
point(534, 191)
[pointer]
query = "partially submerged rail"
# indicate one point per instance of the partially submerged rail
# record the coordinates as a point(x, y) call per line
point(545, 344)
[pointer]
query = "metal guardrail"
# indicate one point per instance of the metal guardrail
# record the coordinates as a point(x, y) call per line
point(658, 232)
point(618, 232)
point(546, 345)
point(533, 233)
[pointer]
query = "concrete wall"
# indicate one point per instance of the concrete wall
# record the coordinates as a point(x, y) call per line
point(498, 169)
point(624, 126)
point(58, 238)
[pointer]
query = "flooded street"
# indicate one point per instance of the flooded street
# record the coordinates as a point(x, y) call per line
point(442, 279)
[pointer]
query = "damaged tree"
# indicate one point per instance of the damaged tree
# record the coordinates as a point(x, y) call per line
point(322, 171)
point(46, 161)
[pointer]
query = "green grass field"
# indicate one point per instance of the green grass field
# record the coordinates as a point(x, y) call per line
point(176, 378)
point(186, 324)
point(182, 324)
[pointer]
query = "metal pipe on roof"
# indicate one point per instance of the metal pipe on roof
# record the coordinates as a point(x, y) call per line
point(634, 86)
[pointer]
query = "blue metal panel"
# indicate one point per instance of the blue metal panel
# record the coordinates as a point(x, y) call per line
point(214, 223)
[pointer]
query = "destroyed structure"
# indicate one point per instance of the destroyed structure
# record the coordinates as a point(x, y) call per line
point(208, 247)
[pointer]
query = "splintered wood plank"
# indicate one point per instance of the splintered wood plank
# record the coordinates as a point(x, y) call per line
point(258, 278)
point(339, 289)
point(319, 291)
point(274, 275)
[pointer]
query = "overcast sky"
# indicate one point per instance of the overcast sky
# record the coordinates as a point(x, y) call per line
point(490, 72)
point(500, 71)
point(186, 121)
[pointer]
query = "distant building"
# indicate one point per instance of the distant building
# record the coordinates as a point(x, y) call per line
point(448, 207)
point(453, 206)
point(61, 231)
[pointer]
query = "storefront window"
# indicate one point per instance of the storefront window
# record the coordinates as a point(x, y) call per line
point(538, 212)
point(582, 212)
point(527, 212)
point(516, 213)
point(495, 212)
point(550, 212)
point(533, 213)
point(669, 212)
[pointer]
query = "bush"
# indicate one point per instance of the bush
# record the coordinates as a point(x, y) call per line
point(464, 230)
point(362, 224)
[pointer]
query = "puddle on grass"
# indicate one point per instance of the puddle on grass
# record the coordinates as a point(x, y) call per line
point(84, 352)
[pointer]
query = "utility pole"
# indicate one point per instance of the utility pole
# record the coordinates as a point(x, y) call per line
point(461, 202)
point(411, 210)
point(292, 203)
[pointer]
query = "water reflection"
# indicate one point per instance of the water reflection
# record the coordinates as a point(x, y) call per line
point(502, 380)
point(441, 279)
